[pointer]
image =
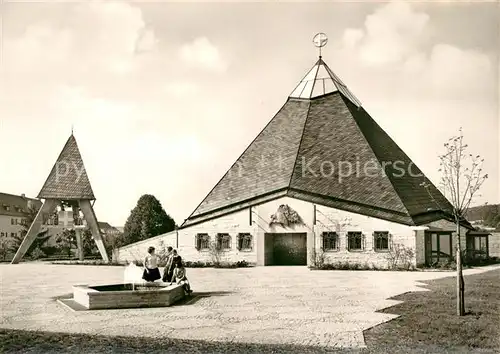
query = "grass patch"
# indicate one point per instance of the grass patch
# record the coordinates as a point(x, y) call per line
point(43, 342)
point(429, 319)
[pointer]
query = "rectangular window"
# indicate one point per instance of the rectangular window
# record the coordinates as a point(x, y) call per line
point(481, 244)
point(381, 240)
point(330, 241)
point(12, 221)
point(438, 247)
point(477, 246)
point(223, 241)
point(202, 242)
point(355, 241)
point(12, 234)
point(244, 242)
point(445, 245)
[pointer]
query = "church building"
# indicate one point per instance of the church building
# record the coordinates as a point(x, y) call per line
point(322, 182)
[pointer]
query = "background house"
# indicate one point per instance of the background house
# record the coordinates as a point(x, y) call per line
point(13, 213)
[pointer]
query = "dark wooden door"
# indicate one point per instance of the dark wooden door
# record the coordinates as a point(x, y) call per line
point(290, 249)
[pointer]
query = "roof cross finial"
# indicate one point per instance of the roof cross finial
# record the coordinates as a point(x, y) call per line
point(320, 40)
point(72, 125)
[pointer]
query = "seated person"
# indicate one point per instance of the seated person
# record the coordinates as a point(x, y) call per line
point(167, 273)
point(179, 276)
point(173, 258)
point(151, 271)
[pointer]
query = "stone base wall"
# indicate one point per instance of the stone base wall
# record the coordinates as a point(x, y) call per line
point(341, 222)
point(232, 224)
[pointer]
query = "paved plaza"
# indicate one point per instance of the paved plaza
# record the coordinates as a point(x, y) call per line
point(272, 305)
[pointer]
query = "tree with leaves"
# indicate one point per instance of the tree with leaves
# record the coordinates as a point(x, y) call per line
point(462, 177)
point(4, 249)
point(146, 220)
point(66, 241)
point(88, 243)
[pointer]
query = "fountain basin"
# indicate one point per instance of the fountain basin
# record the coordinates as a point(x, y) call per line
point(129, 295)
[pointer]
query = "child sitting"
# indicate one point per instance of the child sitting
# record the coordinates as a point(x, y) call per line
point(179, 276)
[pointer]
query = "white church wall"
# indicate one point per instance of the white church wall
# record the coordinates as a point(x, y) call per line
point(342, 222)
point(139, 250)
point(255, 221)
point(232, 224)
point(263, 214)
point(329, 219)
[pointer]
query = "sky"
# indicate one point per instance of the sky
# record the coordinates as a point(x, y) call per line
point(164, 97)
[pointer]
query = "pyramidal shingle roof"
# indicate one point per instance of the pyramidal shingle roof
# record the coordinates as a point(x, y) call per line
point(323, 147)
point(68, 178)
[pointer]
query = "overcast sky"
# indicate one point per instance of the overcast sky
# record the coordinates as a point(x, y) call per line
point(165, 96)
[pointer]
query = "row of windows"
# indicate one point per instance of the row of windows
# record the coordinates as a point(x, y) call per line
point(52, 219)
point(223, 242)
point(17, 208)
point(331, 241)
point(14, 221)
point(6, 234)
point(356, 241)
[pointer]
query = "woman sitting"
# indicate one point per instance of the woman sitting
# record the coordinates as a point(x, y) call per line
point(179, 276)
point(151, 271)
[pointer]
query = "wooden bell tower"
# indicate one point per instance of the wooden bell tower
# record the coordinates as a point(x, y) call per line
point(67, 184)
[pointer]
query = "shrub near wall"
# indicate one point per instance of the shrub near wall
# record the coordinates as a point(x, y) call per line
point(200, 264)
point(399, 257)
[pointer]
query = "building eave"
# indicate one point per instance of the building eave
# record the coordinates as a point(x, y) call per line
point(357, 208)
point(233, 208)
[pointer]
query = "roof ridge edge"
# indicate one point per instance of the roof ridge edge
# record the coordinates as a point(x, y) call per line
point(300, 144)
point(374, 154)
point(234, 163)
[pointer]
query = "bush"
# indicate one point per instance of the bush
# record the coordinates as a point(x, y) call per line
point(215, 253)
point(347, 266)
point(37, 253)
point(242, 264)
point(227, 265)
point(50, 250)
point(400, 257)
point(481, 261)
point(318, 258)
point(449, 265)
point(92, 262)
point(197, 264)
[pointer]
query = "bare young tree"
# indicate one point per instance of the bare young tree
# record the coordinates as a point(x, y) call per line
point(462, 177)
